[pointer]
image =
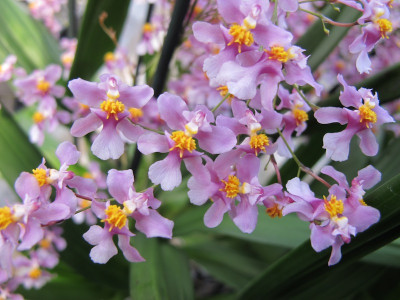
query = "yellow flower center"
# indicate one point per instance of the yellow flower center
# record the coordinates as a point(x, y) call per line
point(109, 56)
point(40, 175)
point(300, 115)
point(385, 27)
point(35, 273)
point(362, 202)
point(197, 10)
point(258, 142)
point(112, 108)
point(136, 113)
point(115, 217)
point(223, 91)
point(43, 86)
point(367, 115)
point(38, 117)
point(87, 175)
point(240, 35)
point(231, 186)
point(274, 211)
point(334, 207)
point(279, 53)
point(147, 28)
point(45, 243)
point(6, 217)
point(182, 142)
point(67, 59)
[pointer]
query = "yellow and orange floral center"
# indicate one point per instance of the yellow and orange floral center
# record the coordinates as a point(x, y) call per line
point(182, 142)
point(334, 207)
point(136, 113)
point(6, 217)
point(385, 27)
point(187, 44)
point(67, 59)
point(362, 202)
point(300, 115)
point(84, 203)
point(278, 53)
point(274, 211)
point(38, 117)
point(197, 10)
point(223, 91)
point(45, 243)
point(109, 57)
point(87, 175)
point(367, 115)
point(35, 273)
point(147, 28)
point(84, 106)
point(115, 217)
point(40, 175)
point(258, 142)
point(112, 108)
point(231, 187)
point(241, 36)
point(43, 86)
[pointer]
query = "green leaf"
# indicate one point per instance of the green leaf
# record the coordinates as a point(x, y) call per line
point(67, 285)
point(93, 42)
point(286, 232)
point(25, 37)
point(294, 271)
point(164, 275)
point(17, 154)
point(227, 263)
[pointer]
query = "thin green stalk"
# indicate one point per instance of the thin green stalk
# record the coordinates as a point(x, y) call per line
point(290, 149)
point(275, 13)
point(319, 16)
point(313, 106)
point(220, 103)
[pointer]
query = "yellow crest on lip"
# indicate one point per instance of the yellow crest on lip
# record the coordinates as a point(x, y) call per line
point(367, 115)
point(115, 217)
point(334, 207)
point(112, 108)
point(40, 175)
point(231, 186)
point(385, 27)
point(182, 142)
point(43, 86)
point(258, 142)
point(6, 217)
point(241, 36)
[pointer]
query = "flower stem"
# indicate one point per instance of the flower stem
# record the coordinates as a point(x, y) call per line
point(290, 149)
point(220, 103)
point(313, 106)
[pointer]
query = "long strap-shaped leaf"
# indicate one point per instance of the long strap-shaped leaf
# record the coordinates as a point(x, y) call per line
point(294, 271)
point(25, 37)
point(17, 154)
point(93, 41)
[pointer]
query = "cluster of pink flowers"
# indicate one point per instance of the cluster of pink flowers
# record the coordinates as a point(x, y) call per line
point(227, 115)
point(46, 11)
